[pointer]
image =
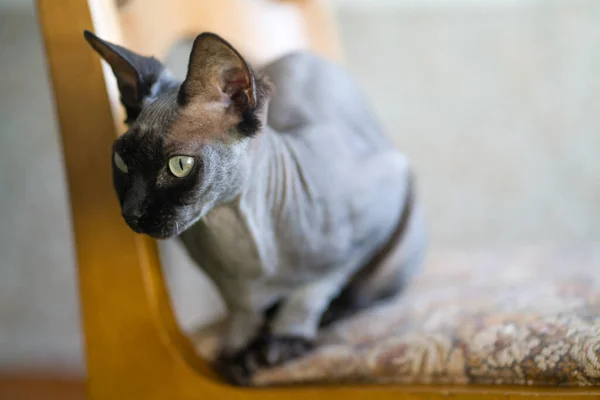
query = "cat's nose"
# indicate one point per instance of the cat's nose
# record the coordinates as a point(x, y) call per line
point(132, 217)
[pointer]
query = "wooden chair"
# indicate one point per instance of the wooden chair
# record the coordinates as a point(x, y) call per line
point(134, 347)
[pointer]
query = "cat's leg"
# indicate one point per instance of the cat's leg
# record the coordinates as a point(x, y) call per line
point(288, 334)
point(291, 331)
point(243, 326)
point(389, 275)
point(234, 364)
point(398, 268)
point(300, 313)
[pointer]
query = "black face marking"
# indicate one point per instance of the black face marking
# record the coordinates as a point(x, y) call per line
point(167, 120)
point(152, 199)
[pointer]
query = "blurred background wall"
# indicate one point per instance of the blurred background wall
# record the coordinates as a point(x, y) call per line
point(497, 102)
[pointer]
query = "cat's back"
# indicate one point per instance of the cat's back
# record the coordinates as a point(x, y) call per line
point(310, 89)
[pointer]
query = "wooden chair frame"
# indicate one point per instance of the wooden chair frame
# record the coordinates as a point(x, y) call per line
point(133, 344)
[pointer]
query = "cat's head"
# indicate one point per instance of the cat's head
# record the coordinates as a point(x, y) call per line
point(187, 143)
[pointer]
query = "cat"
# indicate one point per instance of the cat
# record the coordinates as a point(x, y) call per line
point(280, 184)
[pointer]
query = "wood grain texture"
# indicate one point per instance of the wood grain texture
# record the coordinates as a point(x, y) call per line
point(134, 347)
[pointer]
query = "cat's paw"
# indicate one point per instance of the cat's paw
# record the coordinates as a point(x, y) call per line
point(271, 350)
point(265, 351)
point(233, 369)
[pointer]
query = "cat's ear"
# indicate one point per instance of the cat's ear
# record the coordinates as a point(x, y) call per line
point(218, 74)
point(136, 75)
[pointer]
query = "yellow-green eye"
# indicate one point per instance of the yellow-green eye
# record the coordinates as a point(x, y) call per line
point(180, 166)
point(119, 163)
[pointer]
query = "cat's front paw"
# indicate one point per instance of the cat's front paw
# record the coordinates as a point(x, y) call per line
point(265, 351)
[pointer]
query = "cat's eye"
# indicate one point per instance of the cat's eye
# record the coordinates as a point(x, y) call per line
point(119, 163)
point(180, 166)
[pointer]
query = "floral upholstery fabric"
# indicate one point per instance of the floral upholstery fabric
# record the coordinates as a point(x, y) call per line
point(527, 317)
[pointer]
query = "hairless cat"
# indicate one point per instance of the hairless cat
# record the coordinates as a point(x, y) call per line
point(280, 183)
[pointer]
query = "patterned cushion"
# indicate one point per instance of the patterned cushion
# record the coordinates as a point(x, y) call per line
point(527, 317)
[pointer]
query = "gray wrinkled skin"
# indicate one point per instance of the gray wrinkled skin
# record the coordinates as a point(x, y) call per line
point(287, 215)
point(324, 190)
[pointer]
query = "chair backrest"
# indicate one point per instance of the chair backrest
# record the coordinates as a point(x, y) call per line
point(134, 347)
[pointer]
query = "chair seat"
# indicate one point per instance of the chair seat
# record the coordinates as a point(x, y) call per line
point(524, 317)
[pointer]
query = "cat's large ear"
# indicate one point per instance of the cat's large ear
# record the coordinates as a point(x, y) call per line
point(218, 74)
point(136, 75)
